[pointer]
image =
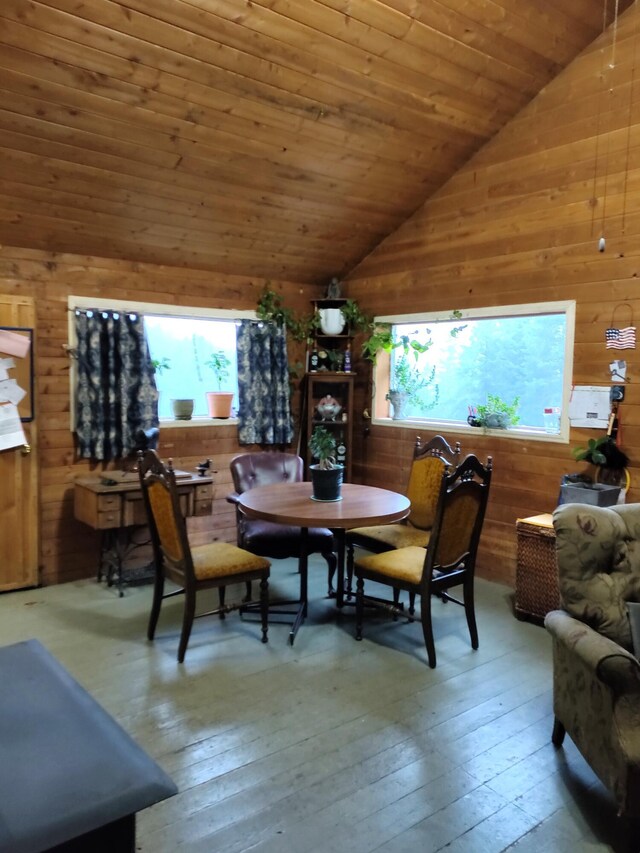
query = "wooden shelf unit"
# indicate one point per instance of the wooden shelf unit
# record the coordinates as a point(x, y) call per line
point(340, 386)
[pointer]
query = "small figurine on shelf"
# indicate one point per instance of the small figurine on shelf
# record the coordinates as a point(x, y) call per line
point(328, 408)
point(333, 290)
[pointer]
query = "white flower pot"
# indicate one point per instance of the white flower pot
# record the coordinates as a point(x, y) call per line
point(331, 321)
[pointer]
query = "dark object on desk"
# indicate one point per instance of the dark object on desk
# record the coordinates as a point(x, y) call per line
point(213, 566)
point(70, 777)
point(202, 467)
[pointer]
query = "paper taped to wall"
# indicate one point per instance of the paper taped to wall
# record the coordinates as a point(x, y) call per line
point(14, 344)
point(11, 392)
point(589, 406)
point(11, 432)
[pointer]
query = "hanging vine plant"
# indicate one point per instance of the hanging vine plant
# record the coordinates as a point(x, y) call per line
point(270, 308)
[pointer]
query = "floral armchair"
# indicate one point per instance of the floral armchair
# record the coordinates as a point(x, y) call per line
point(596, 678)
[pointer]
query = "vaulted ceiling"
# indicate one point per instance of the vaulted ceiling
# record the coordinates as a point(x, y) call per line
point(272, 138)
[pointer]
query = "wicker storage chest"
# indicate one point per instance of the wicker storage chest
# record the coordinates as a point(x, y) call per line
point(536, 573)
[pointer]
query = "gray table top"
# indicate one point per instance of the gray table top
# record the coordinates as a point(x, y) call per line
point(66, 766)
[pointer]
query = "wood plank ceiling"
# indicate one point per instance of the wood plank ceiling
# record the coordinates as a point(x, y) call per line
point(271, 138)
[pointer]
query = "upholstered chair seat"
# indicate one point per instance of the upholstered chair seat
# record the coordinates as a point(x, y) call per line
point(220, 559)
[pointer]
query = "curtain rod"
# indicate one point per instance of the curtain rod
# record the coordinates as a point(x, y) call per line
point(106, 312)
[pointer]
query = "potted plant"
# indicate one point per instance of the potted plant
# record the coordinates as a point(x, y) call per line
point(407, 381)
point(219, 402)
point(326, 474)
point(496, 413)
point(182, 409)
point(610, 463)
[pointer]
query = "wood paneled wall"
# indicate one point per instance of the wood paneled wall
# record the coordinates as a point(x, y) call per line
point(521, 223)
point(69, 549)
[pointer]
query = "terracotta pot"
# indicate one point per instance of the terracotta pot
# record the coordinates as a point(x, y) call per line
point(219, 403)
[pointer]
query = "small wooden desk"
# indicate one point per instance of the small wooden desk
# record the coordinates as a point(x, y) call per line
point(291, 503)
point(117, 509)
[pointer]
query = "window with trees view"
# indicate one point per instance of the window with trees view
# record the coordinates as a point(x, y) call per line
point(451, 366)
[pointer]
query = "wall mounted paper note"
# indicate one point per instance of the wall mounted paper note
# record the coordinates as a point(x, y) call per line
point(14, 344)
point(11, 392)
point(618, 370)
point(589, 406)
point(11, 432)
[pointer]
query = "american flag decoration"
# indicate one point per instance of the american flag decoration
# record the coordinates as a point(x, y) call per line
point(621, 338)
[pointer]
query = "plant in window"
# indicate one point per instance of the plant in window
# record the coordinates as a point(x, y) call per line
point(497, 413)
point(159, 365)
point(407, 383)
point(408, 379)
point(219, 364)
point(219, 402)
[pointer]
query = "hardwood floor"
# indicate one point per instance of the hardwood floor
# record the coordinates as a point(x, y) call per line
point(331, 745)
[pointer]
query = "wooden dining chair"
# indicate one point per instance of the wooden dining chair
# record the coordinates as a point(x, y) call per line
point(215, 565)
point(448, 560)
point(429, 461)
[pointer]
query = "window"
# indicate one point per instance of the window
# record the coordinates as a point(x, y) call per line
point(521, 351)
point(181, 348)
point(181, 341)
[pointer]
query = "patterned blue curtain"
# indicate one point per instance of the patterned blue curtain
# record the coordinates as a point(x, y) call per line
point(263, 384)
point(116, 394)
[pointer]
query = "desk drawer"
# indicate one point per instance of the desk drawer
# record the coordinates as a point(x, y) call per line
point(204, 492)
point(107, 520)
point(108, 502)
point(203, 507)
point(135, 512)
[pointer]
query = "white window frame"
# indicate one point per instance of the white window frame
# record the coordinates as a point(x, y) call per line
point(128, 306)
point(380, 407)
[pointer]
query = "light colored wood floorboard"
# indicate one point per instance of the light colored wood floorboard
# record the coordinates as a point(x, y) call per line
point(331, 745)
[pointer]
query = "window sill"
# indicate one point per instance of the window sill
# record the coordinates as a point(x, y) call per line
point(528, 434)
point(171, 423)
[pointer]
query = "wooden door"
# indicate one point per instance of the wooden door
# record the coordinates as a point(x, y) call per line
point(19, 527)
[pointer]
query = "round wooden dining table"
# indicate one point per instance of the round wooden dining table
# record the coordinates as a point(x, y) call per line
point(292, 504)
